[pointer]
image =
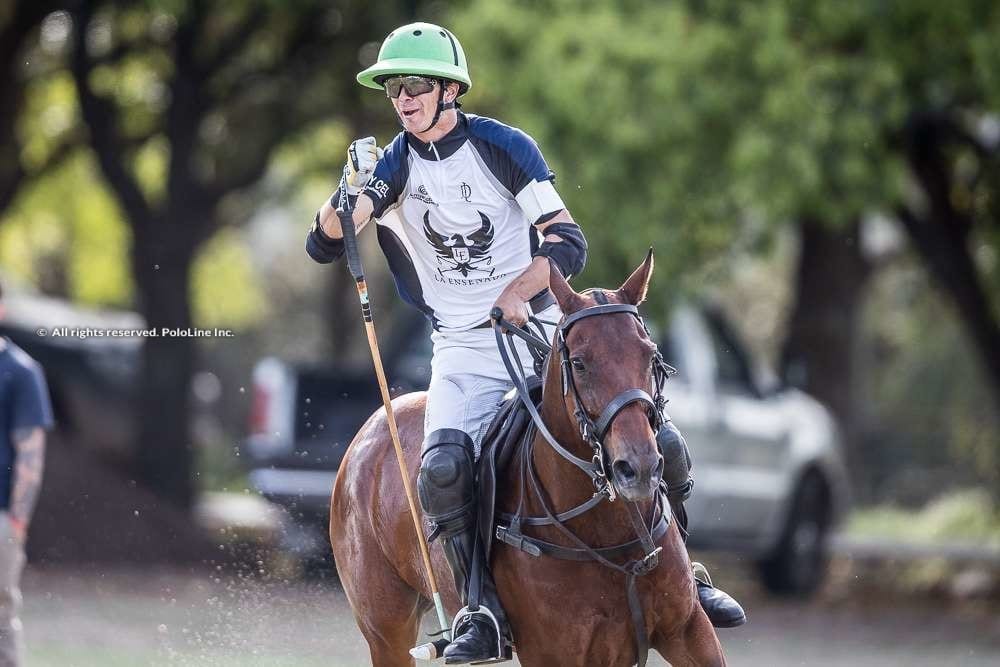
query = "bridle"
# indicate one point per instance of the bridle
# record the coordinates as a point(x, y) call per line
point(508, 528)
point(592, 431)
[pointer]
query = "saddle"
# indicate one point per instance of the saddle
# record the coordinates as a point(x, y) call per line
point(510, 430)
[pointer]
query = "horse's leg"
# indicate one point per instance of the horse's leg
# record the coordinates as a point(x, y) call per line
point(391, 631)
point(696, 646)
point(387, 610)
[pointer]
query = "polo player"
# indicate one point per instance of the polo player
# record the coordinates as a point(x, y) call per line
point(469, 219)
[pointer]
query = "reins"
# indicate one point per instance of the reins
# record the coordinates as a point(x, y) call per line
point(509, 526)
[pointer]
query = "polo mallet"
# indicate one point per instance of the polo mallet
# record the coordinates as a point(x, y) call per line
point(345, 212)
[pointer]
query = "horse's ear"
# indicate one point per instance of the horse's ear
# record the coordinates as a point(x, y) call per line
point(634, 289)
point(568, 300)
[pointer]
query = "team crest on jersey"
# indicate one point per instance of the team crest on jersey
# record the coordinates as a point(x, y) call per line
point(466, 191)
point(423, 195)
point(464, 254)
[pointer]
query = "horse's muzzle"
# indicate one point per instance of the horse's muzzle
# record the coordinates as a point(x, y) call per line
point(636, 481)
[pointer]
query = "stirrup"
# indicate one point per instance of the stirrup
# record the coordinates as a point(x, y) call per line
point(504, 652)
point(701, 573)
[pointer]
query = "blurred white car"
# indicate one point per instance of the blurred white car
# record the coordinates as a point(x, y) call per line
point(769, 475)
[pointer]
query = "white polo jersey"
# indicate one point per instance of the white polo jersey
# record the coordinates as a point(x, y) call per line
point(455, 218)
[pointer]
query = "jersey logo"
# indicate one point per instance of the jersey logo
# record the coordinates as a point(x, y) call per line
point(423, 196)
point(466, 191)
point(463, 254)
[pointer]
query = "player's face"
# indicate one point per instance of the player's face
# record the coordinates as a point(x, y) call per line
point(416, 111)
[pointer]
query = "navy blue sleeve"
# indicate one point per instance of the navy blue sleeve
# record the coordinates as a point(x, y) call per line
point(511, 155)
point(321, 247)
point(30, 405)
point(389, 179)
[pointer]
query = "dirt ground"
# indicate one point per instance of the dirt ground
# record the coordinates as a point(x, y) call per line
point(136, 616)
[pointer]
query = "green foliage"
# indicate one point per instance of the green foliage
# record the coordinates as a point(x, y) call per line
point(66, 225)
point(306, 167)
point(225, 290)
point(679, 127)
point(969, 516)
point(677, 124)
point(65, 228)
point(49, 113)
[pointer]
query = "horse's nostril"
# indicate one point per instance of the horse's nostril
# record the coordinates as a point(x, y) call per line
point(623, 470)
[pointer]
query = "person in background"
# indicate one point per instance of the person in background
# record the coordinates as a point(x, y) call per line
point(25, 416)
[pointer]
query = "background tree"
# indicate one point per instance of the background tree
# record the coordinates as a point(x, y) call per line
point(185, 104)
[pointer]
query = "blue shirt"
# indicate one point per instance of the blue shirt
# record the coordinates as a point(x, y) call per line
point(24, 404)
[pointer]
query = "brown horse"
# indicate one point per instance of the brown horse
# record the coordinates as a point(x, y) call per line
point(561, 612)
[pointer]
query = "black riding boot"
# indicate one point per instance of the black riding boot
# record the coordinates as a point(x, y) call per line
point(722, 610)
point(447, 495)
point(476, 639)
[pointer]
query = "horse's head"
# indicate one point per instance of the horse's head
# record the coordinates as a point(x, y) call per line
point(606, 365)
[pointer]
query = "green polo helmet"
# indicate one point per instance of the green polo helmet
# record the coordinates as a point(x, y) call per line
point(419, 48)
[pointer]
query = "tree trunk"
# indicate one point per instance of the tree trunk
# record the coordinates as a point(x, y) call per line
point(941, 237)
point(818, 353)
point(164, 455)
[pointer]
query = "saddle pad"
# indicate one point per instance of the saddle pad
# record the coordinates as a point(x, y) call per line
point(508, 432)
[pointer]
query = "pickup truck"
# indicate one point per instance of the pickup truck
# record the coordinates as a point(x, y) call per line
point(769, 476)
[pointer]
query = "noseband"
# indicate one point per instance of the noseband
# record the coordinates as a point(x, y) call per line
point(591, 431)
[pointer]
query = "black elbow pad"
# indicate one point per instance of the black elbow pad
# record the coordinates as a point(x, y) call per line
point(569, 254)
point(321, 247)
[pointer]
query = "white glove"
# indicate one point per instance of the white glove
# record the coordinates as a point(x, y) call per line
point(362, 155)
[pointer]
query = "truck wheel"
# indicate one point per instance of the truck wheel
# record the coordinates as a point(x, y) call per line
point(798, 564)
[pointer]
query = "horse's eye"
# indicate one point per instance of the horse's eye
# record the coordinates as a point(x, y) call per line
point(577, 364)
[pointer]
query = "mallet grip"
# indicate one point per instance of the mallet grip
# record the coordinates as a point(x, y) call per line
point(346, 214)
point(351, 243)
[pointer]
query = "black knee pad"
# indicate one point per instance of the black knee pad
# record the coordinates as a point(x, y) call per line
point(446, 483)
point(676, 461)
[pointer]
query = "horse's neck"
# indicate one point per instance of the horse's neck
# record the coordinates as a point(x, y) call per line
point(565, 484)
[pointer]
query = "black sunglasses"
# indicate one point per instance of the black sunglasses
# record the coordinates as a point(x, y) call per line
point(414, 85)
